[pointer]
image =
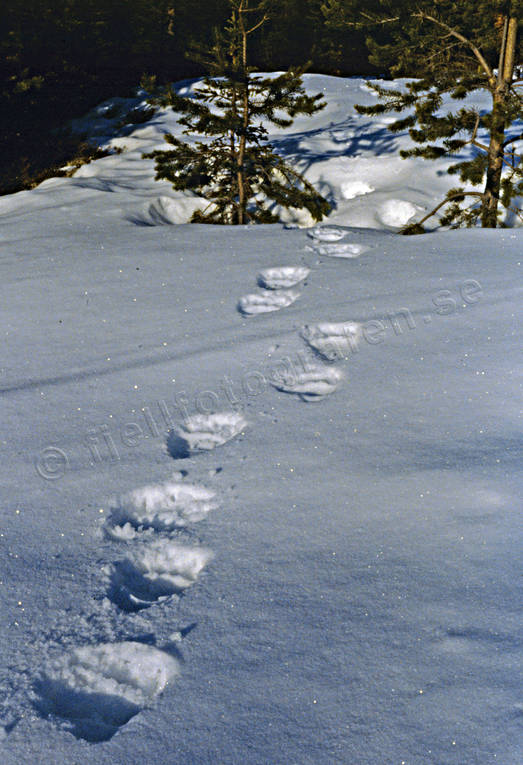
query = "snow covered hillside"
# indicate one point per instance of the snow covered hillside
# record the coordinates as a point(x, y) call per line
point(260, 497)
point(353, 160)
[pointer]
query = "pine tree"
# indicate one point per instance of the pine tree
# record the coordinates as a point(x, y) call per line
point(453, 49)
point(237, 169)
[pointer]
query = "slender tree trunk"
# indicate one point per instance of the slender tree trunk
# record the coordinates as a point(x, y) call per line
point(489, 212)
point(232, 135)
point(241, 156)
point(242, 197)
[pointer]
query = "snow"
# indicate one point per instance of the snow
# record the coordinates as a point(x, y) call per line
point(335, 583)
point(153, 572)
point(341, 250)
point(312, 383)
point(352, 189)
point(266, 301)
point(100, 688)
point(206, 431)
point(333, 340)
point(326, 233)
point(397, 212)
point(282, 277)
point(163, 507)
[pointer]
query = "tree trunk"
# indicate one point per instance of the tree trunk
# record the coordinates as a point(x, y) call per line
point(232, 135)
point(489, 211)
point(242, 196)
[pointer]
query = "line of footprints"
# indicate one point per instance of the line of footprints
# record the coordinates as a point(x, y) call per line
point(329, 341)
point(96, 689)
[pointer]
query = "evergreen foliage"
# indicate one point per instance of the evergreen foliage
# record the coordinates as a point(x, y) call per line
point(59, 58)
point(452, 48)
point(237, 170)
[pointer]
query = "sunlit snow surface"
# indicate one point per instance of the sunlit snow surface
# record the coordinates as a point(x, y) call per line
point(338, 582)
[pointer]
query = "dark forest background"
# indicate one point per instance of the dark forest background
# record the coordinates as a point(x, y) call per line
point(61, 57)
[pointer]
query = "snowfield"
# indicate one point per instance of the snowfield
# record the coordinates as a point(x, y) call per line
point(242, 527)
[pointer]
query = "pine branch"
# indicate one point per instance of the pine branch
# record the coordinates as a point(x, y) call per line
point(369, 19)
point(257, 26)
point(507, 159)
point(439, 52)
point(376, 20)
point(449, 198)
point(454, 33)
point(516, 211)
point(513, 140)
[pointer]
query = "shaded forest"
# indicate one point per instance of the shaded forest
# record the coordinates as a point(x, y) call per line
point(61, 57)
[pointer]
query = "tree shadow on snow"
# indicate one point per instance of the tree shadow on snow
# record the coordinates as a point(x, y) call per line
point(346, 139)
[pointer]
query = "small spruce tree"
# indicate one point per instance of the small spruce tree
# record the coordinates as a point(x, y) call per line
point(452, 48)
point(237, 170)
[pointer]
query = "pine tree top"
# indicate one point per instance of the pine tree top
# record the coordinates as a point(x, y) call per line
point(437, 41)
point(237, 170)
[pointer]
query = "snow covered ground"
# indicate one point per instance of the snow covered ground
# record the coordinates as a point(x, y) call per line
point(272, 529)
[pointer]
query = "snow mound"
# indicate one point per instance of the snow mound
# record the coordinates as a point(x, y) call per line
point(351, 159)
point(344, 250)
point(353, 189)
point(206, 431)
point(397, 212)
point(333, 341)
point(282, 277)
point(100, 688)
point(311, 385)
point(165, 211)
point(266, 301)
point(163, 507)
point(155, 572)
point(327, 233)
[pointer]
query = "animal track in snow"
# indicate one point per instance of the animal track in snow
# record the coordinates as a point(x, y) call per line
point(326, 233)
point(266, 301)
point(311, 385)
point(155, 572)
point(163, 507)
point(97, 689)
point(205, 431)
point(282, 277)
point(342, 250)
point(333, 341)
